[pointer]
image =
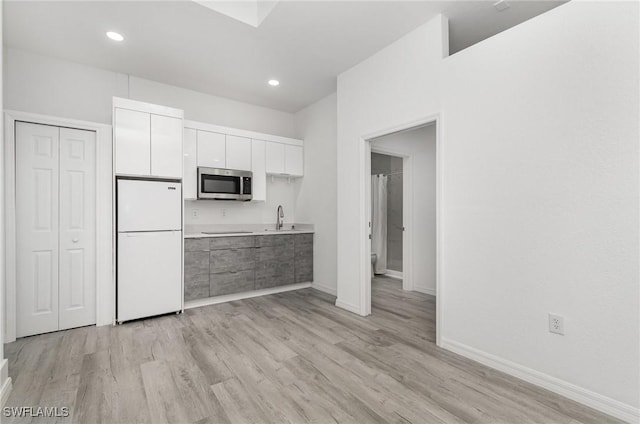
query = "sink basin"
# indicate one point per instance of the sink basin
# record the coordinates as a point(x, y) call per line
point(226, 232)
point(281, 231)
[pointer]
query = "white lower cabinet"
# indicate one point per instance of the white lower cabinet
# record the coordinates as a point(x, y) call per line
point(55, 228)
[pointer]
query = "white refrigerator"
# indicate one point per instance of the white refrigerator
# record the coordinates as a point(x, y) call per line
point(149, 248)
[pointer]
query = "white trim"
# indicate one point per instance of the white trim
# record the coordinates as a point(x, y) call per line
point(365, 206)
point(104, 264)
point(324, 288)
point(244, 295)
point(5, 381)
point(586, 397)
point(203, 126)
point(349, 307)
point(425, 290)
point(394, 274)
point(122, 103)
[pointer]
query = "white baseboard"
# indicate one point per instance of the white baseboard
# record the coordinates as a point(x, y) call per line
point(324, 288)
point(586, 397)
point(425, 290)
point(245, 295)
point(5, 382)
point(348, 306)
point(394, 274)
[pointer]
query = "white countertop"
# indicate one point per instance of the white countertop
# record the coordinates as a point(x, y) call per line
point(250, 233)
point(201, 231)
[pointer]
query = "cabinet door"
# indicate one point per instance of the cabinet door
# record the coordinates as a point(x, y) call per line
point(37, 228)
point(211, 149)
point(259, 182)
point(166, 146)
point(293, 160)
point(132, 134)
point(238, 153)
point(304, 258)
point(77, 211)
point(274, 158)
point(189, 165)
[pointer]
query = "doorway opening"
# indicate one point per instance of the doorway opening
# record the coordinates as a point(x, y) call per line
point(401, 210)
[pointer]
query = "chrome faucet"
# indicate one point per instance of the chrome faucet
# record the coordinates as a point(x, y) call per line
point(280, 218)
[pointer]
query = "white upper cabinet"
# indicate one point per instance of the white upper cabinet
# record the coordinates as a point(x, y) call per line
point(274, 158)
point(190, 164)
point(211, 149)
point(258, 162)
point(238, 153)
point(284, 159)
point(147, 139)
point(166, 146)
point(132, 136)
point(293, 160)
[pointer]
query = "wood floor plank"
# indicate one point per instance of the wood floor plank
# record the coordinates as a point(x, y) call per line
point(285, 358)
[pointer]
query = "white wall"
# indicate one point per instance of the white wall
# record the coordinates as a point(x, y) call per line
point(397, 85)
point(56, 87)
point(420, 146)
point(4, 371)
point(316, 202)
point(541, 196)
point(539, 192)
point(279, 192)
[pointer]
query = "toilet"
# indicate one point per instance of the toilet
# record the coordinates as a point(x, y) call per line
point(374, 258)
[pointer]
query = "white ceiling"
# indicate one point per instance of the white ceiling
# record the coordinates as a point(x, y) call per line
point(304, 44)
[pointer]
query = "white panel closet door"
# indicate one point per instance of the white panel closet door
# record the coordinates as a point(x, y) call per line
point(37, 164)
point(77, 272)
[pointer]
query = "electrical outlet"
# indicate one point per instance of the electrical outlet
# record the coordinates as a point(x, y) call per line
point(223, 212)
point(194, 213)
point(556, 324)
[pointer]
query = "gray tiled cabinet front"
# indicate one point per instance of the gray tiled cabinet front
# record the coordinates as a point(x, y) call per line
point(275, 256)
point(304, 258)
point(224, 265)
point(196, 269)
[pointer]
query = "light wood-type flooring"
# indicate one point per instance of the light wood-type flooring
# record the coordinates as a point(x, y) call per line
point(286, 358)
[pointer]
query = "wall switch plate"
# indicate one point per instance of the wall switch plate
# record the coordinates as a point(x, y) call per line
point(194, 213)
point(556, 324)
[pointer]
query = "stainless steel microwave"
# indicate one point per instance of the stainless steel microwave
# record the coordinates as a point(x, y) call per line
point(224, 184)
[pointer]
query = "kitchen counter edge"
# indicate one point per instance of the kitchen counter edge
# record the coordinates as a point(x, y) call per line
point(253, 233)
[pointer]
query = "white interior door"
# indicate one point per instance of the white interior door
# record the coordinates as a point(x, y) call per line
point(37, 166)
point(77, 272)
point(55, 228)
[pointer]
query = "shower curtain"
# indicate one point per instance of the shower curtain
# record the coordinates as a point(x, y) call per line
point(379, 221)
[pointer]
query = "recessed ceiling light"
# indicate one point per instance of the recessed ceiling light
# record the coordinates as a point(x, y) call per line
point(274, 83)
point(115, 36)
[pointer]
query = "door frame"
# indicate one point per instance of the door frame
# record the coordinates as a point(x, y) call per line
point(104, 217)
point(407, 211)
point(365, 213)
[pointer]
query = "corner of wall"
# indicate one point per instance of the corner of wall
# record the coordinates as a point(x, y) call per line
point(444, 23)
